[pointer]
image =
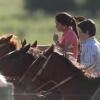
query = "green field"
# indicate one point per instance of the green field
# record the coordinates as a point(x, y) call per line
point(40, 26)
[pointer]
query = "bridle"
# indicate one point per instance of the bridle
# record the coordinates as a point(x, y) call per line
point(43, 67)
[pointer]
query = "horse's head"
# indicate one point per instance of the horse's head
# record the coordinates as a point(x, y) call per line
point(16, 62)
point(34, 50)
point(8, 43)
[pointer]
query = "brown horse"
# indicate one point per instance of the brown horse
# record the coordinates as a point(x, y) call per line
point(38, 62)
point(58, 68)
point(8, 43)
point(15, 64)
point(17, 61)
point(24, 80)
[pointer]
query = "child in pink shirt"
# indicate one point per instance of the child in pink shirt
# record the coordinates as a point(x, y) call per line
point(69, 40)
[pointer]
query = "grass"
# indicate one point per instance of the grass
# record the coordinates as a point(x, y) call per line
point(40, 26)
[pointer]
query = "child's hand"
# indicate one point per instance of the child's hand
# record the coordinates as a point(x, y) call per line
point(55, 37)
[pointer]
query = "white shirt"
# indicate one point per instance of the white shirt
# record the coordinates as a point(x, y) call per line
point(90, 54)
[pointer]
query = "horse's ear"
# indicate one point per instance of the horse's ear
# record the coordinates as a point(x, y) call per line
point(49, 50)
point(23, 42)
point(9, 37)
point(34, 44)
point(25, 48)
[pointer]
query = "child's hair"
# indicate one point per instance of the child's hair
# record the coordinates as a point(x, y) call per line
point(88, 25)
point(66, 19)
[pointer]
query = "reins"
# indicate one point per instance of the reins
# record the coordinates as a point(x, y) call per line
point(28, 70)
point(45, 93)
point(43, 67)
point(49, 91)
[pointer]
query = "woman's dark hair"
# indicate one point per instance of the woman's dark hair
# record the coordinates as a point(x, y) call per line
point(66, 19)
point(88, 25)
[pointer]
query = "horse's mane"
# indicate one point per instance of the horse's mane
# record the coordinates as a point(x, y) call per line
point(12, 40)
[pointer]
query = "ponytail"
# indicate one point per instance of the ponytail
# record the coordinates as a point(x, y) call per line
point(73, 24)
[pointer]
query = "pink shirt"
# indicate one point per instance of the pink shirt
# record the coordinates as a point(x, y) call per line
point(69, 42)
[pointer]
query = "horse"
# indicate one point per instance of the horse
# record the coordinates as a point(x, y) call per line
point(31, 72)
point(8, 43)
point(35, 65)
point(57, 69)
point(38, 62)
point(14, 64)
point(17, 61)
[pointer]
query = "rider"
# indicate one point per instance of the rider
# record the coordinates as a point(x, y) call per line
point(66, 24)
point(90, 47)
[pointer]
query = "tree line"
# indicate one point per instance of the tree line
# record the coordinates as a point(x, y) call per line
point(52, 6)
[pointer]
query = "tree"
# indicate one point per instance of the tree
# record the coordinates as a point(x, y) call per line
point(92, 6)
point(50, 5)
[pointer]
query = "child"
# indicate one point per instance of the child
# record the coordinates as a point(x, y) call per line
point(66, 24)
point(90, 47)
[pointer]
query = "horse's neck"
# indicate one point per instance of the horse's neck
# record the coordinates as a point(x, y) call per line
point(4, 50)
point(38, 62)
point(33, 69)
